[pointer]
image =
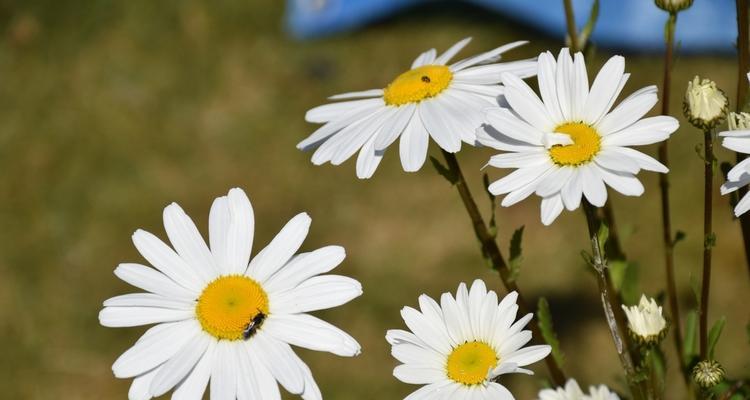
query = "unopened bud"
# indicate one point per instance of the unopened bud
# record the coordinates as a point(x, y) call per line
point(708, 373)
point(673, 5)
point(705, 105)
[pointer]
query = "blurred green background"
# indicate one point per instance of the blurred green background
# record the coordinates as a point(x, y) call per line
point(111, 110)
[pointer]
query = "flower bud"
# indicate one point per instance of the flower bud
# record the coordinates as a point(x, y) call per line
point(705, 105)
point(738, 121)
point(673, 5)
point(708, 373)
point(646, 323)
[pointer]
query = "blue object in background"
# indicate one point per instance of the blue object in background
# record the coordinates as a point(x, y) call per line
point(709, 26)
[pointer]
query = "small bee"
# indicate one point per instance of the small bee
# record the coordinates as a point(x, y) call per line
point(253, 325)
point(425, 79)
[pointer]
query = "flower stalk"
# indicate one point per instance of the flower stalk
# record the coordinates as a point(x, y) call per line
point(599, 263)
point(708, 237)
point(666, 216)
point(492, 252)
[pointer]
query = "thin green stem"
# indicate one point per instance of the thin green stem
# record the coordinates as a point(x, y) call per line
point(600, 266)
point(492, 252)
point(666, 216)
point(571, 22)
point(708, 237)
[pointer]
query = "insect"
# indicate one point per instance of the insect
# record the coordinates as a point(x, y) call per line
point(253, 325)
point(425, 79)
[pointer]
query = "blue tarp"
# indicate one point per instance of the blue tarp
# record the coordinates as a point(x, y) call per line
point(709, 26)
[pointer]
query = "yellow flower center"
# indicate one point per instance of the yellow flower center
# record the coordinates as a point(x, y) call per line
point(470, 363)
point(417, 84)
point(586, 143)
point(228, 305)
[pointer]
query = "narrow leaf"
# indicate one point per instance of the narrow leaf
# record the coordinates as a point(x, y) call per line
point(713, 335)
point(544, 317)
point(516, 257)
point(446, 173)
point(690, 345)
point(585, 33)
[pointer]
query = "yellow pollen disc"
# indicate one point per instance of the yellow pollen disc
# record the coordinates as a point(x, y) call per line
point(470, 363)
point(417, 84)
point(228, 304)
point(586, 143)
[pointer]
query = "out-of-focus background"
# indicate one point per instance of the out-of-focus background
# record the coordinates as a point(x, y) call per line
point(111, 110)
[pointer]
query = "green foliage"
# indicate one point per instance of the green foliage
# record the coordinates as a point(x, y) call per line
point(516, 257)
point(603, 235)
point(713, 335)
point(690, 350)
point(441, 169)
point(544, 317)
point(585, 33)
point(624, 276)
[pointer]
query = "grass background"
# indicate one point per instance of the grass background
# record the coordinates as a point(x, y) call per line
point(111, 110)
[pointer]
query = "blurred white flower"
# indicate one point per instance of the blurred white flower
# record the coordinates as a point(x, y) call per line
point(705, 105)
point(738, 139)
point(572, 391)
point(432, 99)
point(673, 5)
point(572, 143)
point(224, 320)
point(460, 347)
point(645, 321)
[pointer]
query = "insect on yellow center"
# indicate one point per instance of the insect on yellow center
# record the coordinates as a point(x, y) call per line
point(228, 304)
point(470, 363)
point(417, 84)
point(586, 143)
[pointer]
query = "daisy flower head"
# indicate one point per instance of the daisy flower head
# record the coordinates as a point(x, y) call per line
point(572, 142)
point(459, 347)
point(645, 321)
point(705, 104)
point(673, 5)
point(433, 99)
point(737, 138)
point(224, 318)
point(572, 391)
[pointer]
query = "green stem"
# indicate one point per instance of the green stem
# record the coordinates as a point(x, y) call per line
point(708, 238)
point(492, 252)
point(600, 266)
point(571, 22)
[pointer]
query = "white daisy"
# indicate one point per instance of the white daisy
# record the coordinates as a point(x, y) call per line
point(645, 320)
point(224, 320)
point(571, 142)
point(432, 99)
point(737, 138)
point(572, 391)
point(459, 348)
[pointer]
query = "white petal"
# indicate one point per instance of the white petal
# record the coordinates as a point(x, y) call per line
point(554, 182)
point(593, 185)
point(368, 159)
point(616, 161)
point(194, 385)
point(304, 266)
point(552, 206)
point(275, 355)
point(497, 391)
point(738, 144)
point(434, 391)
point(548, 87)
point(428, 57)
point(117, 317)
point(343, 120)
point(177, 367)
point(413, 145)
point(731, 186)
point(456, 320)
point(452, 51)
point(312, 333)
point(139, 389)
point(334, 111)
point(311, 391)
point(435, 337)
point(394, 126)
point(153, 281)
point(248, 386)
point(564, 81)
point(360, 135)
point(644, 161)
point(266, 382)
point(239, 234)
point(185, 238)
point(148, 300)
point(526, 103)
point(281, 248)
point(509, 125)
point(354, 95)
point(317, 293)
point(491, 74)
point(155, 347)
point(742, 206)
point(163, 258)
point(529, 355)
point(518, 178)
point(580, 88)
point(478, 59)
point(742, 168)
point(224, 371)
point(573, 190)
point(519, 160)
point(438, 124)
point(604, 88)
point(418, 374)
point(646, 131)
point(409, 353)
point(622, 182)
point(628, 111)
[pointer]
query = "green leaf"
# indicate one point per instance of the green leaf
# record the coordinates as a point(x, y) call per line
point(713, 335)
point(658, 367)
point(695, 286)
point(624, 276)
point(516, 257)
point(603, 235)
point(446, 173)
point(585, 33)
point(690, 350)
point(544, 317)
